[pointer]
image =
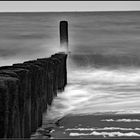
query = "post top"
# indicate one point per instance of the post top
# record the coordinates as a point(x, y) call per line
point(63, 21)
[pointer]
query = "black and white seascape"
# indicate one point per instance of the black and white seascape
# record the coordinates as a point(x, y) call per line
point(102, 96)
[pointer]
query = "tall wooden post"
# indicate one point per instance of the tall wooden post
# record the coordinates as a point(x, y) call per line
point(64, 35)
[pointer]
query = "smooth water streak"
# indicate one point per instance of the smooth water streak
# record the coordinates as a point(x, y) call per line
point(91, 91)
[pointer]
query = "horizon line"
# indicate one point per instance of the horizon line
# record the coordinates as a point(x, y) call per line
point(68, 11)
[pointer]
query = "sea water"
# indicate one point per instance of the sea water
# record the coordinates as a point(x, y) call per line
point(100, 100)
point(103, 66)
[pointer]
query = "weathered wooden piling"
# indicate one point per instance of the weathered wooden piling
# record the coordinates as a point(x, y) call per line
point(64, 35)
point(25, 91)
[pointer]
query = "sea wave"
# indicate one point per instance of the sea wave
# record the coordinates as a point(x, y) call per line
point(105, 128)
point(121, 120)
point(91, 91)
point(105, 134)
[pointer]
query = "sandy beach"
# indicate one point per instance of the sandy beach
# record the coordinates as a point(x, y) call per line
point(93, 126)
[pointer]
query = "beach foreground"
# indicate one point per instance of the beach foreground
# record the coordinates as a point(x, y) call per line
point(93, 126)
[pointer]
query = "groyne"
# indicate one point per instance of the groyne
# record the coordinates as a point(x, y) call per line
point(26, 89)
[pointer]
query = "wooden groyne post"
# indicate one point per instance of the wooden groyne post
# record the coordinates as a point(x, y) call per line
point(64, 35)
point(25, 91)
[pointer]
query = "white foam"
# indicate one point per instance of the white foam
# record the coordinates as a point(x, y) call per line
point(109, 134)
point(121, 120)
point(105, 128)
point(98, 90)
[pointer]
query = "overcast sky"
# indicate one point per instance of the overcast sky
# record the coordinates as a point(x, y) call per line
point(25, 6)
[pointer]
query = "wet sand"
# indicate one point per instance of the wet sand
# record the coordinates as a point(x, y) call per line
point(93, 126)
